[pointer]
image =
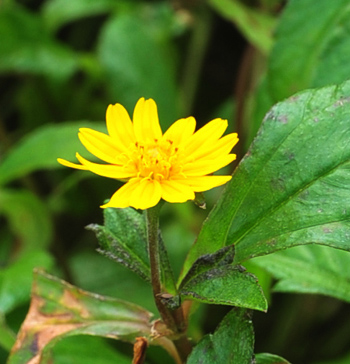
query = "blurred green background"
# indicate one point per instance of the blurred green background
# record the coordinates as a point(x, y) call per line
point(63, 61)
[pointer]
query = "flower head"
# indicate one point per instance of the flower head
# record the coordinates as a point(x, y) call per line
point(170, 166)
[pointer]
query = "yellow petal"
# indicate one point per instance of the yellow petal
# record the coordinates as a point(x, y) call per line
point(146, 194)
point(146, 122)
point(120, 199)
point(206, 135)
point(205, 183)
point(176, 192)
point(215, 150)
point(180, 131)
point(71, 165)
point(99, 144)
point(203, 167)
point(108, 170)
point(119, 126)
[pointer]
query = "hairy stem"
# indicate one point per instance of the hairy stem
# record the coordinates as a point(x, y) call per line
point(173, 319)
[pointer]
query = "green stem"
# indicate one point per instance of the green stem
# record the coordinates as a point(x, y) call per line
point(152, 217)
point(173, 319)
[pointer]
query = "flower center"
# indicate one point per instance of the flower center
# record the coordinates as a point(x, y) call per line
point(157, 160)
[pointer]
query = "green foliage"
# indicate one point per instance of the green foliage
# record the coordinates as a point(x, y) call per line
point(231, 343)
point(131, 75)
point(213, 279)
point(16, 279)
point(55, 140)
point(61, 63)
point(265, 358)
point(27, 48)
point(279, 194)
point(60, 310)
point(318, 59)
point(34, 231)
point(310, 269)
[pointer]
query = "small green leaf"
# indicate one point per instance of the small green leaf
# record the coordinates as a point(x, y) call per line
point(310, 269)
point(59, 310)
point(33, 231)
point(42, 147)
point(16, 279)
point(232, 342)
point(265, 358)
point(123, 239)
point(212, 279)
point(292, 187)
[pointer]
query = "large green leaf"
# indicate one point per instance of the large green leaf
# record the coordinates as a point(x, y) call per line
point(310, 269)
point(232, 342)
point(42, 147)
point(213, 279)
point(292, 187)
point(137, 63)
point(27, 217)
point(312, 46)
point(26, 47)
point(59, 310)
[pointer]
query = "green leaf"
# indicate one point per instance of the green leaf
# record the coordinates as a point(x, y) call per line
point(26, 47)
point(292, 186)
point(41, 148)
point(83, 349)
point(57, 13)
point(7, 336)
point(265, 358)
point(16, 279)
point(321, 47)
point(93, 272)
point(256, 26)
point(344, 360)
point(33, 230)
point(310, 269)
point(212, 279)
point(59, 310)
point(123, 239)
point(137, 64)
point(232, 342)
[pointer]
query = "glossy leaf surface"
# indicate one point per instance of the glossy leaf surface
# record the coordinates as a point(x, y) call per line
point(292, 187)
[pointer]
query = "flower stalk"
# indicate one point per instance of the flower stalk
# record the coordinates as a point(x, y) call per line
point(173, 319)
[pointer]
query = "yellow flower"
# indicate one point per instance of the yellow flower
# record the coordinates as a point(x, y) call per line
point(170, 166)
